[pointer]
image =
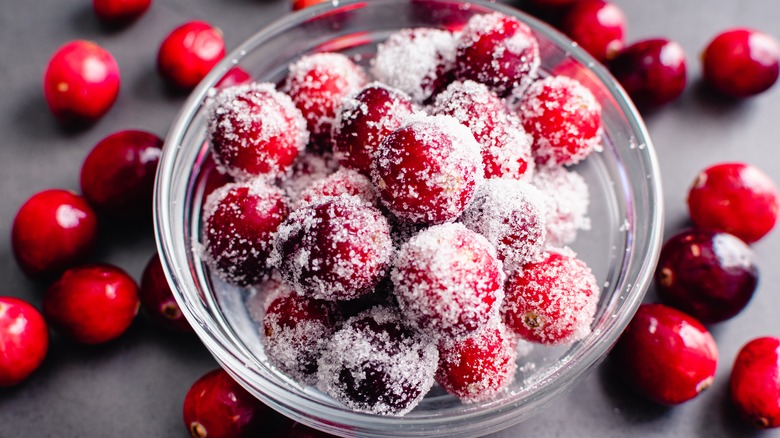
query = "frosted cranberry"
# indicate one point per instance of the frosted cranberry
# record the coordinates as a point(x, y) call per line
point(117, 177)
point(364, 120)
point(24, 340)
point(308, 168)
point(736, 198)
point(255, 130)
point(755, 382)
point(81, 82)
point(189, 53)
point(597, 26)
point(666, 355)
point(567, 203)
point(52, 231)
point(92, 304)
point(651, 71)
point(241, 220)
point(448, 281)
point(157, 299)
point(498, 51)
point(217, 407)
point(118, 12)
point(377, 365)
point(427, 171)
point(741, 62)
point(706, 274)
point(234, 76)
point(337, 248)
point(552, 301)
point(564, 118)
point(343, 182)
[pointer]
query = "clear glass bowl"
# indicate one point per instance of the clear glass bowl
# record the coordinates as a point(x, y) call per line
point(621, 248)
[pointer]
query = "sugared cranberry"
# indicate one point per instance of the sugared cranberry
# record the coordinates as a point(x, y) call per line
point(157, 299)
point(117, 177)
point(597, 26)
point(741, 62)
point(235, 76)
point(189, 52)
point(448, 281)
point(217, 407)
point(564, 119)
point(567, 198)
point(53, 230)
point(737, 198)
point(307, 169)
point(92, 304)
point(428, 170)
point(706, 274)
point(24, 339)
point(118, 12)
point(343, 182)
point(652, 71)
point(755, 382)
point(81, 82)
point(255, 130)
point(241, 220)
point(666, 355)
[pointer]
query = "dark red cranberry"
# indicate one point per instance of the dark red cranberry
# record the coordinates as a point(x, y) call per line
point(189, 53)
point(81, 82)
point(651, 71)
point(24, 339)
point(92, 304)
point(234, 76)
point(157, 299)
point(53, 230)
point(741, 62)
point(737, 198)
point(755, 382)
point(666, 355)
point(597, 26)
point(118, 12)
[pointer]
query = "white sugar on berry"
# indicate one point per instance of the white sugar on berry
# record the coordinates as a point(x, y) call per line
point(307, 168)
point(567, 203)
point(344, 182)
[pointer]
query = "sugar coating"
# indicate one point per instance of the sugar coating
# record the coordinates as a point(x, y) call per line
point(307, 168)
point(567, 203)
point(343, 182)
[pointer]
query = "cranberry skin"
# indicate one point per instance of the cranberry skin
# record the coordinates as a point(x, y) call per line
point(218, 407)
point(189, 52)
point(755, 382)
point(81, 82)
point(652, 71)
point(118, 12)
point(92, 304)
point(343, 182)
point(297, 5)
point(53, 230)
point(737, 198)
point(741, 62)
point(666, 355)
point(707, 274)
point(117, 177)
point(234, 76)
point(597, 26)
point(24, 340)
point(157, 299)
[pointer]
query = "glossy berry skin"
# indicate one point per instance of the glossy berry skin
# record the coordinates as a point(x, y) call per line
point(119, 12)
point(189, 52)
point(24, 340)
point(653, 71)
point(234, 76)
point(665, 355)
point(297, 5)
point(217, 407)
point(117, 177)
point(81, 82)
point(737, 198)
point(755, 382)
point(92, 304)
point(53, 230)
point(157, 299)
point(741, 62)
point(706, 274)
point(597, 26)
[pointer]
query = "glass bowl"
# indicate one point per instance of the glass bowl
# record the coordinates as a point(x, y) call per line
point(621, 247)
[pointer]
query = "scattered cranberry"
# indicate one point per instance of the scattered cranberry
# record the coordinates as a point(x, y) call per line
point(666, 355)
point(81, 82)
point(736, 198)
point(741, 62)
point(53, 230)
point(597, 26)
point(343, 182)
point(234, 76)
point(24, 339)
point(189, 53)
point(755, 382)
point(652, 71)
point(92, 304)
point(119, 12)
point(157, 299)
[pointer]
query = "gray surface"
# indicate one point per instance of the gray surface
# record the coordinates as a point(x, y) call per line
point(135, 386)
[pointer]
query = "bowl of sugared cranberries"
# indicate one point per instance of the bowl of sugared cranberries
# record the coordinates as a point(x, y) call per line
point(413, 218)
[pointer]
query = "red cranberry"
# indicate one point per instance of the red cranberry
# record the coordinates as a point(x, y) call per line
point(597, 26)
point(118, 12)
point(297, 5)
point(53, 230)
point(92, 304)
point(343, 182)
point(24, 339)
point(755, 387)
point(81, 82)
point(666, 355)
point(736, 198)
point(117, 177)
point(218, 407)
point(157, 299)
point(234, 76)
point(741, 62)
point(652, 71)
point(189, 52)
point(567, 203)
